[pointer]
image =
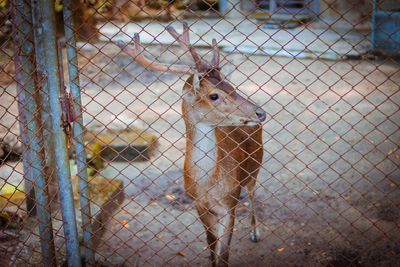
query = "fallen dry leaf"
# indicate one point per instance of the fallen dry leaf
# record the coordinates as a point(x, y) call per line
point(346, 197)
point(392, 185)
point(170, 197)
point(181, 253)
point(280, 249)
point(397, 156)
point(160, 237)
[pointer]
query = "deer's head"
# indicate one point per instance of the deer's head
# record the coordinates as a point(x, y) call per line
point(207, 96)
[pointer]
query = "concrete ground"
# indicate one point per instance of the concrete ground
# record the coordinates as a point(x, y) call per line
point(328, 191)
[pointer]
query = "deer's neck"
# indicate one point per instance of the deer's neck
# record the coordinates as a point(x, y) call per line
point(202, 149)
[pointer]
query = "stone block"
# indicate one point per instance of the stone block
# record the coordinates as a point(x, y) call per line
point(130, 144)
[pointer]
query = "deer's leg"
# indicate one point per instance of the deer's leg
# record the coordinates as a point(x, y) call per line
point(208, 220)
point(224, 230)
point(218, 223)
point(254, 234)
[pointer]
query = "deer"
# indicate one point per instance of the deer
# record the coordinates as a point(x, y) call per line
point(224, 148)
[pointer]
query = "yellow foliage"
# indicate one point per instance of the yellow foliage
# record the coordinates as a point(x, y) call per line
point(11, 194)
point(3, 3)
point(9, 189)
point(100, 188)
point(58, 5)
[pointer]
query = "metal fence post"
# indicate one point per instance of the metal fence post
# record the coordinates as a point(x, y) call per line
point(26, 157)
point(78, 130)
point(43, 93)
point(25, 67)
point(373, 28)
point(47, 23)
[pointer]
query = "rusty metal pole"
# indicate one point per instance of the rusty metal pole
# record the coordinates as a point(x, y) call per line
point(78, 131)
point(25, 67)
point(47, 25)
point(23, 129)
point(373, 28)
point(44, 99)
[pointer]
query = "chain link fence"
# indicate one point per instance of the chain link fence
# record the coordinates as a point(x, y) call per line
point(93, 144)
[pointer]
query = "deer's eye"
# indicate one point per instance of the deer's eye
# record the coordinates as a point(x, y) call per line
point(213, 97)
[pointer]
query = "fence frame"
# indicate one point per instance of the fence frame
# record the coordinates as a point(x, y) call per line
point(38, 68)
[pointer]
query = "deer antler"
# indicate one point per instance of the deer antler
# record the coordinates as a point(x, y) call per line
point(184, 42)
point(215, 59)
point(138, 55)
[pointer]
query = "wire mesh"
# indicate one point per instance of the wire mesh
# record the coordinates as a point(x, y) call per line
point(325, 72)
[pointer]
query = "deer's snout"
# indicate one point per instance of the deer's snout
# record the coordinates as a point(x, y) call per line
point(261, 115)
point(252, 110)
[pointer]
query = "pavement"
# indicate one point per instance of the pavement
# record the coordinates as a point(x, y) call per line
point(250, 37)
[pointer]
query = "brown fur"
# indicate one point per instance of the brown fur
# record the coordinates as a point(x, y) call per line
point(239, 156)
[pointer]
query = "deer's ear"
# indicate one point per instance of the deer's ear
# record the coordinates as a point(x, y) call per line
point(189, 96)
point(196, 82)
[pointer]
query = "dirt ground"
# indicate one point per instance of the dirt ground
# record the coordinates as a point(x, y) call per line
point(328, 192)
